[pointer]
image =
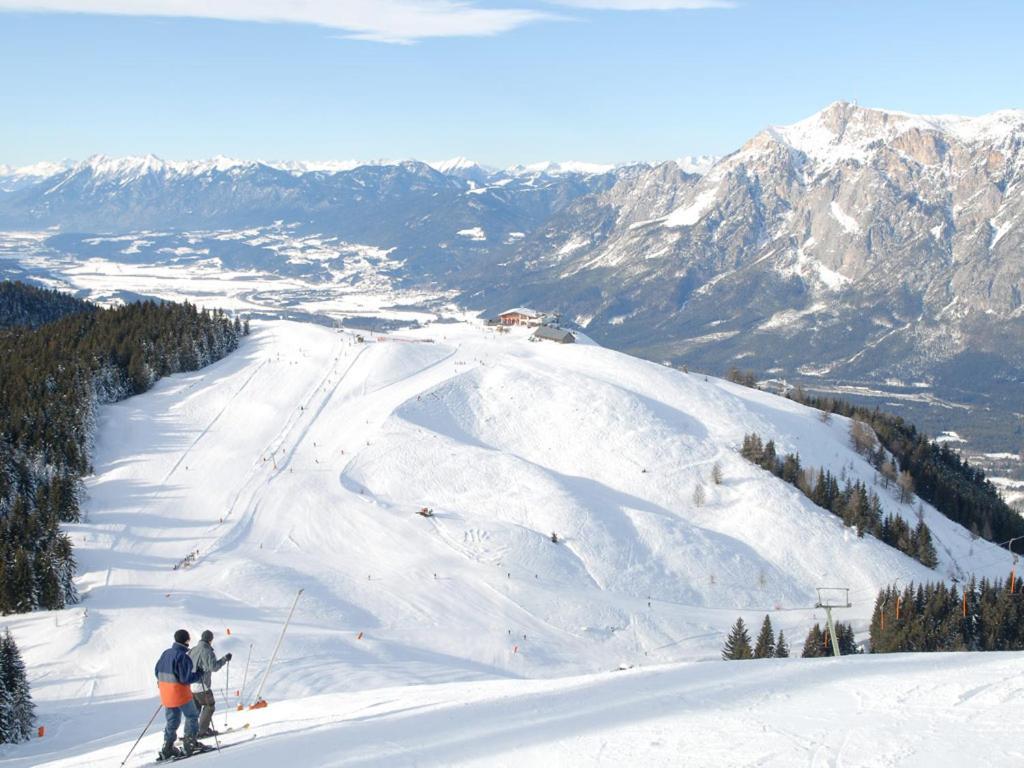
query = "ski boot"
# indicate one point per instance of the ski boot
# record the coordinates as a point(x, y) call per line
point(168, 751)
point(192, 746)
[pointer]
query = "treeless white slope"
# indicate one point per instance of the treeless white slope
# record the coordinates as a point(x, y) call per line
point(896, 710)
point(300, 462)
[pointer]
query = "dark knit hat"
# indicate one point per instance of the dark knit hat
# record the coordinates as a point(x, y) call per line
point(182, 636)
point(207, 636)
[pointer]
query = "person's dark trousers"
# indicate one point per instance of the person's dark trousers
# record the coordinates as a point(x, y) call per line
point(205, 702)
point(174, 715)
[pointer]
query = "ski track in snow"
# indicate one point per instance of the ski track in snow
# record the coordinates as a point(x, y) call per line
point(301, 460)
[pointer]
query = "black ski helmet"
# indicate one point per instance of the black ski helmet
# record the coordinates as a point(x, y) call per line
point(182, 636)
point(207, 636)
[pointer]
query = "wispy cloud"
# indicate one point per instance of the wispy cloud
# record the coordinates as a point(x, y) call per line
point(392, 21)
point(646, 5)
point(388, 21)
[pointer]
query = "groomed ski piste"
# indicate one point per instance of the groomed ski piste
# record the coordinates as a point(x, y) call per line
point(469, 637)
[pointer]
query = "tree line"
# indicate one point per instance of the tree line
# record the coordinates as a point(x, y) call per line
point(817, 644)
point(941, 476)
point(52, 378)
point(982, 616)
point(857, 505)
point(737, 644)
point(22, 304)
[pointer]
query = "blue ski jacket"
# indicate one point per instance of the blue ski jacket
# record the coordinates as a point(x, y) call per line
point(174, 676)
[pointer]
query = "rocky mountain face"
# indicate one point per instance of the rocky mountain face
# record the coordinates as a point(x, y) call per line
point(861, 251)
point(856, 250)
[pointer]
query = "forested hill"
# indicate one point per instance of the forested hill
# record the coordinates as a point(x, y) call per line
point(51, 380)
point(26, 305)
point(937, 474)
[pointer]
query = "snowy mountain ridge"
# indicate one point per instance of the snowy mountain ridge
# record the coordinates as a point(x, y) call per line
point(843, 130)
point(129, 167)
point(856, 247)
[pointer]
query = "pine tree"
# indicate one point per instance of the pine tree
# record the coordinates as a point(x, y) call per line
point(781, 647)
point(6, 598)
point(765, 646)
point(847, 642)
point(6, 703)
point(716, 473)
point(737, 645)
point(925, 549)
point(814, 645)
point(15, 696)
point(21, 584)
point(699, 496)
point(48, 588)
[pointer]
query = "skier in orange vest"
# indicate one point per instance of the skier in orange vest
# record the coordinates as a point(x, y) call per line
point(175, 675)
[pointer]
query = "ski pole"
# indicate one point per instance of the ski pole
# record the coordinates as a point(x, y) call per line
point(277, 648)
point(158, 708)
point(245, 676)
point(227, 689)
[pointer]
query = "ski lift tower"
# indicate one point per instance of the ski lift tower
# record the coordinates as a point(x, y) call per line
point(829, 598)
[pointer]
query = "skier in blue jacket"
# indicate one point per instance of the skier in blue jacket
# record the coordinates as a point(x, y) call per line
point(175, 675)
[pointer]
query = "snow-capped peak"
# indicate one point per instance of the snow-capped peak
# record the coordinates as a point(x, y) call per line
point(132, 165)
point(696, 164)
point(40, 170)
point(321, 166)
point(550, 168)
point(454, 164)
point(845, 130)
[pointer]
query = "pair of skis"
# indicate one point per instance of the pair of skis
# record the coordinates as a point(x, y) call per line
point(203, 749)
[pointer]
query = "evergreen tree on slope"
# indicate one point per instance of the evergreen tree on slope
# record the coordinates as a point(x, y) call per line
point(765, 646)
point(737, 645)
point(17, 712)
point(814, 645)
point(6, 706)
point(781, 647)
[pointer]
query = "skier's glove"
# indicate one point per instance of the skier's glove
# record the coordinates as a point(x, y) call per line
point(227, 657)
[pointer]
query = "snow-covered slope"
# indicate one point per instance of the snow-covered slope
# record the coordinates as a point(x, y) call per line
point(927, 710)
point(301, 461)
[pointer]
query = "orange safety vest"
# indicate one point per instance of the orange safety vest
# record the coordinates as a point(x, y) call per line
point(173, 665)
point(174, 694)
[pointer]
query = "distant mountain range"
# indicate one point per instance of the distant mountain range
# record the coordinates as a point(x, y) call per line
point(870, 252)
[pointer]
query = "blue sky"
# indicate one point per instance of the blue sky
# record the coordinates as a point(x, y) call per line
point(500, 82)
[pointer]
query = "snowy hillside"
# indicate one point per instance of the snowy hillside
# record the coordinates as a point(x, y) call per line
point(301, 460)
point(925, 710)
